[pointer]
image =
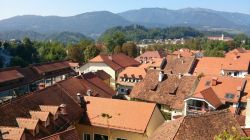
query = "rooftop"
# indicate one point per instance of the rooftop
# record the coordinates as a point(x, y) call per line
point(118, 114)
point(49, 108)
point(151, 54)
point(198, 127)
point(51, 66)
point(217, 93)
point(116, 61)
point(12, 133)
point(40, 115)
point(176, 65)
point(10, 75)
point(27, 123)
point(214, 65)
point(171, 91)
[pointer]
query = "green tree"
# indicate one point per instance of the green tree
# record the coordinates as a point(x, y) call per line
point(76, 53)
point(130, 49)
point(1, 61)
point(232, 135)
point(17, 61)
point(90, 52)
point(116, 39)
point(118, 49)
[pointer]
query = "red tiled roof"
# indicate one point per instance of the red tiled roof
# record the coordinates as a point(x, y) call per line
point(102, 74)
point(214, 65)
point(52, 95)
point(198, 127)
point(116, 61)
point(171, 91)
point(12, 133)
point(124, 115)
point(10, 75)
point(97, 86)
point(82, 84)
point(51, 66)
point(29, 76)
point(150, 54)
point(224, 85)
point(210, 96)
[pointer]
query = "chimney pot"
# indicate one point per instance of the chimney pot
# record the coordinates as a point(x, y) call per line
point(214, 81)
point(63, 109)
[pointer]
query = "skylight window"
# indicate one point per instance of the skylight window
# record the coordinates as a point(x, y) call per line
point(229, 96)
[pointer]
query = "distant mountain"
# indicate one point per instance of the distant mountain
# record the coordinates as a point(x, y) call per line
point(64, 37)
point(93, 24)
point(194, 17)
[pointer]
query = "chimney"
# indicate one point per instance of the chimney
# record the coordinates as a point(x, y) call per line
point(214, 81)
point(62, 109)
point(110, 57)
point(81, 101)
point(161, 76)
point(179, 55)
point(182, 61)
point(89, 92)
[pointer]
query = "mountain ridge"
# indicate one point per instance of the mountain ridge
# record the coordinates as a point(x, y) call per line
point(93, 24)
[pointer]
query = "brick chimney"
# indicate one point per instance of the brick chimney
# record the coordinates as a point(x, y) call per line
point(81, 101)
point(214, 81)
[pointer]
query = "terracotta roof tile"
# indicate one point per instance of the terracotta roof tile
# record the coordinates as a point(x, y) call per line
point(224, 85)
point(27, 123)
point(102, 74)
point(10, 75)
point(123, 115)
point(116, 61)
point(40, 115)
point(12, 133)
point(177, 65)
point(52, 95)
point(214, 65)
point(49, 108)
point(210, 96)
point(197, 127)
point(51, 66)
point(171, 91)
point(151, 54)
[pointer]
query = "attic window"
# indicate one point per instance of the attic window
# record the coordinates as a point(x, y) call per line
point(229, 96)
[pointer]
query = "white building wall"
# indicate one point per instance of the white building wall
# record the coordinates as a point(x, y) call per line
point(240, 74)
point(247, 121)
point(93, 67)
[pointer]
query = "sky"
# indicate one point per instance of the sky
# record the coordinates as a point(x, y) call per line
point(10, 8)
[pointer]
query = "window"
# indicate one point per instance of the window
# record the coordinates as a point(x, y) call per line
point(120, 139)
point(100, 137)
point(86, 136)
point(122, 90)
point(229, 96)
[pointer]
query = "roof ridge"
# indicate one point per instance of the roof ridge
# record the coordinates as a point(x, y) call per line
point(24, 96)
point(216, 112)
